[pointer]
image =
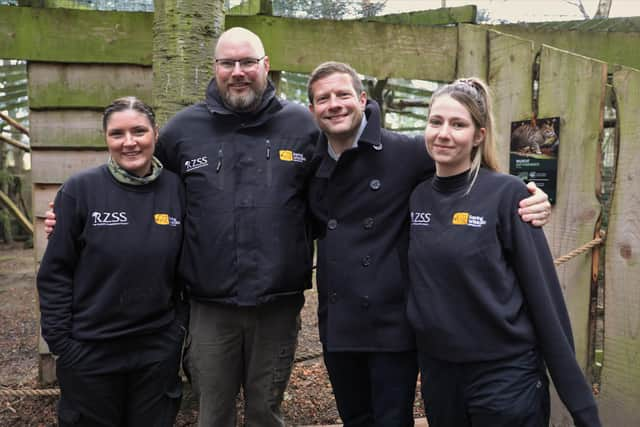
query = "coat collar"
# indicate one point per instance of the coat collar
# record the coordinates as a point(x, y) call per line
point(370, 138)
point(269, 105)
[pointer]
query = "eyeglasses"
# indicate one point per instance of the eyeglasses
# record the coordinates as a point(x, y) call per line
point(246, 64)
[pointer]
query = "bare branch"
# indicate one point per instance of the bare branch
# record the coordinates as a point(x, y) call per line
point(580, 6)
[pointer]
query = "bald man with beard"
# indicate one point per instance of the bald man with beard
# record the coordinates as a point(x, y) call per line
point(243, 155)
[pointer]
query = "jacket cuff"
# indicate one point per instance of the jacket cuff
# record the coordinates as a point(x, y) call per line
point(587, 417)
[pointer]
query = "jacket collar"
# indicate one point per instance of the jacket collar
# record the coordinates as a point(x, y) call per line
point(371, 138)
point(269, 105)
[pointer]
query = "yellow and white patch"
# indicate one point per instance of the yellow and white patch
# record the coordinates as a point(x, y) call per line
point(286, 155)
point(291, 156)
point(161, 219)
point(464, 218)
point(460, 218)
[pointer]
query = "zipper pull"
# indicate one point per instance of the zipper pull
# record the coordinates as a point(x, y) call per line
point(219, 165)
point(268, 144)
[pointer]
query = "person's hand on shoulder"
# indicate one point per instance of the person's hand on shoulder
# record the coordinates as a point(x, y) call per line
point(536, 208)
point(49, 220)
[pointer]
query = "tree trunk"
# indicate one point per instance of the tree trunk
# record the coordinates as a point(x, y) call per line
point(604, 7)
point(184, 37)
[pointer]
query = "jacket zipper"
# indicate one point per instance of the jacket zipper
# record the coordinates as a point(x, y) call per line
point(269, 163)
point(219, 169)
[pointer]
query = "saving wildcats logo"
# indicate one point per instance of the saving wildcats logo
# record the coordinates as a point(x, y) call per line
point(464, 218)
point(165, 219)
point(193, 164)
point(290, 156)
point(421, 218)
point(109, 218)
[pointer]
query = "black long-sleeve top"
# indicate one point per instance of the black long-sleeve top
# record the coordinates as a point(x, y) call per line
point(109, 269)
point(483, 282)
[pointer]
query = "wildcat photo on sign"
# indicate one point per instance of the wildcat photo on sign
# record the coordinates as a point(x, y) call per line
point(534, 152)
point(539, 137)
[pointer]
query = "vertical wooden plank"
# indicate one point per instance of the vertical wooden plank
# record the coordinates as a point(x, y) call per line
point(620, 381)
point(42, 195)
point(510, 78)
point(573, 88)
point(472, 51)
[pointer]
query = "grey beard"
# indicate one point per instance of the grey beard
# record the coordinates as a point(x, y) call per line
point(243, 104)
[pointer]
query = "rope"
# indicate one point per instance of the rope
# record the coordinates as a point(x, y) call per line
point(56, 391)
point(582, 249)
point(30, 392)
point(303, 358)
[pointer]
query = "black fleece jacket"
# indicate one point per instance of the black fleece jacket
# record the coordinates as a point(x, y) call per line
point(483, 283)
point(247, 236)
point(109, 269)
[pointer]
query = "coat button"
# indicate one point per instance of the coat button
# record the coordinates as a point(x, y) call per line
point(374, 184)
point(367, 223)
point(333, 298)
point(378, 146)
point(366, 261)
point(332, 224)
point(364, 302)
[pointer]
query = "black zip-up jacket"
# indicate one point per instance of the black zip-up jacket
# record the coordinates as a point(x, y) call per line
point(110, 266)
point(361, 205)
point(247, 239)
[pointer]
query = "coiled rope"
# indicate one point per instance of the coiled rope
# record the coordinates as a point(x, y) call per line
point(303, 358)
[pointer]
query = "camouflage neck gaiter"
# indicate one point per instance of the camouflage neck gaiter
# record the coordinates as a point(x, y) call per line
point(125, 177)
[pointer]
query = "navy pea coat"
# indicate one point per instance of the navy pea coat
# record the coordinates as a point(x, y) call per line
point(360, 206)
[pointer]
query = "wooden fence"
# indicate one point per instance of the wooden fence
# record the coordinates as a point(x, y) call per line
point(66, 94)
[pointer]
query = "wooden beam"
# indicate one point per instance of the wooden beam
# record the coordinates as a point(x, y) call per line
point(14, 123)
point(473, 55)
point(56, 166)
point(78, 129)
point(511, 81)
point(16, 212)
point(572, 87)
point(620, 384)
point(15, 143)
point(609, 40)
point(373, 48)
point(252, 7)
point(53, 85)
point(70, 35)
point(442, 16)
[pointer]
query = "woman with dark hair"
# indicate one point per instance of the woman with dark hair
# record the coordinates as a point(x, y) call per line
point(107, 283)
point(484, 298)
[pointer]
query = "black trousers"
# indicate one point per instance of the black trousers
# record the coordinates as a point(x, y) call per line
point(499, 393)
point(373, 388)
point(130, 381)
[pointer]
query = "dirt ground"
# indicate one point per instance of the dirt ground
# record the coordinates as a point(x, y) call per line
point(308, 399)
